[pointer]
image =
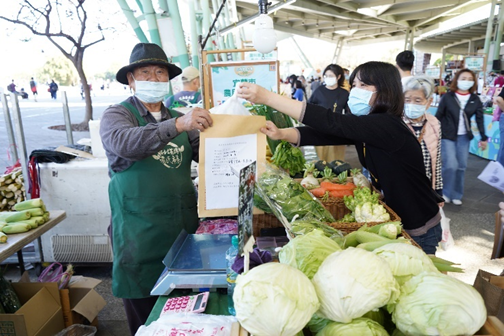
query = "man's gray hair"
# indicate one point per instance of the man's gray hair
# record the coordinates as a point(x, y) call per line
point(423, 83)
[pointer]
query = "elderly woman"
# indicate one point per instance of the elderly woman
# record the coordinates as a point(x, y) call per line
point(418, 92)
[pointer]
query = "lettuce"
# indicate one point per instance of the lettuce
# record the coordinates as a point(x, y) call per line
point(359, 327)
point(307, 252)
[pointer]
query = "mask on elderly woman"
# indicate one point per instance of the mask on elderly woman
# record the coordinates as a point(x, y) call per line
point(151, 92)
point(414, 111)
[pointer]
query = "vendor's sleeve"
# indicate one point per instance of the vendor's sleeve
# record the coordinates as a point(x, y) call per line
point(122, 136)
point(374, 129)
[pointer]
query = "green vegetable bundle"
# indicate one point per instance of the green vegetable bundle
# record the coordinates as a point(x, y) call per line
point(289, 158)
point(290, 198)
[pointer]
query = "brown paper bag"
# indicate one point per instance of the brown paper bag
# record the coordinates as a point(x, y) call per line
point(491, 288)
point(228, 126)
point(498, 250)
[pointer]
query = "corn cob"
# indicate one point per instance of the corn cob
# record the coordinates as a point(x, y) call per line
point(29, 204)
point(3, 238)
point(16, 228)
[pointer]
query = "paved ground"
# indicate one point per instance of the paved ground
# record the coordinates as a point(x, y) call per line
point(472, 223)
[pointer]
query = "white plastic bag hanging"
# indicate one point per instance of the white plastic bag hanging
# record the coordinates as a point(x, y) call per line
point(231, 106)
point(446, 237)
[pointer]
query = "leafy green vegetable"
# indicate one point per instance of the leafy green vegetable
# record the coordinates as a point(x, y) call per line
point(289, 158)
point(290, 196)
point(437, 304)
point(358, 327)
point(307, 252)
point(405, 261)
point(327, 174)
point(361, 196)
point(306, 225)
point(279, 119)
point(274, 299)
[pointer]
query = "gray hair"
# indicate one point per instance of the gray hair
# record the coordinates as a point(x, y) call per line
point(423, 83)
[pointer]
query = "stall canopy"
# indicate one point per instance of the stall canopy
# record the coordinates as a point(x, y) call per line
point(365, 21)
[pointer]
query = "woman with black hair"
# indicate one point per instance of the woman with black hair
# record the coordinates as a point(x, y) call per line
point(385, 145)
point(455, 111)
point(299, 94)
point(331, 96)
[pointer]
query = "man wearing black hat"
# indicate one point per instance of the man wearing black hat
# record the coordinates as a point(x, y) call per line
point(152, 198)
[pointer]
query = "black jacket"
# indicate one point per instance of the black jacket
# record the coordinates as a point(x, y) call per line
point(448, 113)
point(388, 149)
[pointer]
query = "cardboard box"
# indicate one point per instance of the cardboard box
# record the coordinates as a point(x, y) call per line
point(492, 327)
point(81, 303)
point(40, 314)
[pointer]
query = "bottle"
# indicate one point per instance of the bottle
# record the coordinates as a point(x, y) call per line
point(231, 275)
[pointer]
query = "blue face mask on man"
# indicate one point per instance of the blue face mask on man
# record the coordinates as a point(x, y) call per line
point(358, 101)
point(151, 92)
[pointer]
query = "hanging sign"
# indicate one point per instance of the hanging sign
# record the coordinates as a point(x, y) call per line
point(474, 63)
point(225, 76)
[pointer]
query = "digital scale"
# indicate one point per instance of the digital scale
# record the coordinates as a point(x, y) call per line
point(195, 261)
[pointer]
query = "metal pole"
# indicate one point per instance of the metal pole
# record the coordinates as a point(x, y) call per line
point(412, 39)
point(178, 31)
point(340, 47)
point(132, 21)
point(194, 34)
point(23, 157)
point(66, 115)
point(10, 131)
point(406, 38)
point(150, 17)
point(470, 47)
point(442, 69)
point(488, 36)
point(220, 19)
point(206, 27)
point(301, 54)
point(500, 30)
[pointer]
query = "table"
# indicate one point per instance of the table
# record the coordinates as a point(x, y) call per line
point(15, 242)
point(217, 303)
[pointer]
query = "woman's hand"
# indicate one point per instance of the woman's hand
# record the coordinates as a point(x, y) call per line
point(252, 92)
point(272, 131)
point(483, 145)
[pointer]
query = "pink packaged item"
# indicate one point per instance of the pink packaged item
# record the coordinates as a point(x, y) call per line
point(218, 226)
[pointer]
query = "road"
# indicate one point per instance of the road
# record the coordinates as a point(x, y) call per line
point(38, 116)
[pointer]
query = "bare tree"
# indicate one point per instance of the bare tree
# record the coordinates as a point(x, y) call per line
point(64, 23)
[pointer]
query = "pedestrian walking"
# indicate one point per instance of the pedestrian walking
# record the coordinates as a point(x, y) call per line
point(53, 88)
point(33, 87)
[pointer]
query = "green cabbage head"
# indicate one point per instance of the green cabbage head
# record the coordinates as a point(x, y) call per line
point(405, 261)
point(308, 251)
point(359, 327)
point(274, 299)
point(352, 282)
point(437, 304)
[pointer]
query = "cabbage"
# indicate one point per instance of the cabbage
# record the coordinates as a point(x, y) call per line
point(308, 251)
point(405, 261)
point(436, 304)
point(353, 282)
point(359, 327)
point(317, 323)
point(274, 299)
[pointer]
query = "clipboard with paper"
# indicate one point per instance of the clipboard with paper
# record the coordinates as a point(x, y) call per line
point(232, 143)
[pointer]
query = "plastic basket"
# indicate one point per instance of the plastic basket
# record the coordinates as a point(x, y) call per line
point(78, 330)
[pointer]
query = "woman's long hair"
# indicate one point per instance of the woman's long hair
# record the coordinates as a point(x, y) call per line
point(385, 77)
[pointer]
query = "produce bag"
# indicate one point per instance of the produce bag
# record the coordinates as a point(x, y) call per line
point(491, 288)
point(78, 330)
point(446, 237)
point(181, 324)
point(289, 197)
point(231, 106)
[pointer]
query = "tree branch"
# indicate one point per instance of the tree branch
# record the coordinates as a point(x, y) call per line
point(90, 44)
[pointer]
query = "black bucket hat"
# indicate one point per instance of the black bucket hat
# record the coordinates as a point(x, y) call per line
point(145, 54)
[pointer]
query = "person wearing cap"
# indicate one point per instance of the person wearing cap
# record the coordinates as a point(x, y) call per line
point(189, 94)
point(152, 198)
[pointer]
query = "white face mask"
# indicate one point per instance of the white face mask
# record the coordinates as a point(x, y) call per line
point(414, 111)
point(151, 92)
point(330, 81)
point(464, 84)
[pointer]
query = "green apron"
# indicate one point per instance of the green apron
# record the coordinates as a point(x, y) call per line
point(151, 202)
